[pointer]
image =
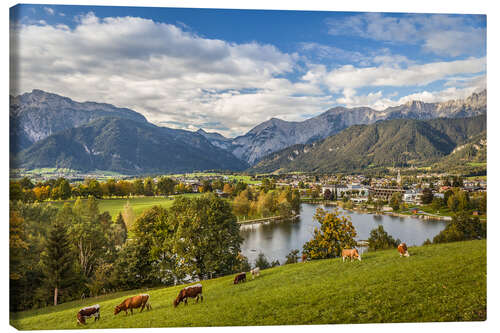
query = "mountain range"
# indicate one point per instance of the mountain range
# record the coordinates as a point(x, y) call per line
point(49, 130)
point(389, 143)
point(61, 133)
point(276, 134)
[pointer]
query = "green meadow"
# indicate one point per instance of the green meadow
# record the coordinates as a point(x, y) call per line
point(444, 282)
point(139, 204)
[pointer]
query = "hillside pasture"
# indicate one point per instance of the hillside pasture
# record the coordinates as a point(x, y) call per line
point(445, 282)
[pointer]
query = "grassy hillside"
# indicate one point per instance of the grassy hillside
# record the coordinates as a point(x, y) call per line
point(444, 282)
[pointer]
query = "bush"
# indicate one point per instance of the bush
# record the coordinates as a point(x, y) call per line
point(262, 262)
point(462, 227)
point(380, 239)
point(292, 257)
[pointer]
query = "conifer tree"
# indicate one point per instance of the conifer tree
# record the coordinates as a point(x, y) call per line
point(57, 259)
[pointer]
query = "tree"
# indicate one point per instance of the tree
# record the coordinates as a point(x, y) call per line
point(453, 203)
point(165, 186)
point(292, 257)
point(243, 265)
point(462, 227)
point(207, 186)
point(335, 233)
point(122, 229)
point(15, 191)
point(427, 196)
point(241, 205)
point(228, 189)
point(148, 187)
point(327, 194)
point(437, 203)
point(57, 259)
point(94, 188)
point(396, 199)
point(262, 261)
point(18, 245)
point(206, 236)
point(295, 201)
point(379, 239)
point(87, 233)
point(138, 187)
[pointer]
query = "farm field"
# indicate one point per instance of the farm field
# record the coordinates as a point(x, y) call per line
point(139, 204)
point(444, 282)
point(244, 178)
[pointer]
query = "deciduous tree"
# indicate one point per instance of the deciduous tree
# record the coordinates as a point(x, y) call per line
point(334, 234)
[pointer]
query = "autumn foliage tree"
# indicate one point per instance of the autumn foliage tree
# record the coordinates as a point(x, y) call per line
point(335, 233)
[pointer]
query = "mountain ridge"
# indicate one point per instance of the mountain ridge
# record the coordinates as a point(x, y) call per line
point(388, 143)
point(276, 134)
point(129, 147)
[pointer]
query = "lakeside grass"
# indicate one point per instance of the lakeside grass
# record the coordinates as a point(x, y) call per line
point(443, 282)
point(139, 204)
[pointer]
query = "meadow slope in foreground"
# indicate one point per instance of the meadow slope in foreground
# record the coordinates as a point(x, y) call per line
point(445, 282)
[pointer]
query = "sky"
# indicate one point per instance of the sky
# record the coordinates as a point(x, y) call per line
point(228, 70)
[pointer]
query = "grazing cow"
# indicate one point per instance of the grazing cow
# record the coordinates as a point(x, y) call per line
point(191, 291)
point(351, 253)
point(241, 277)
point(255, 272)
point(304, 257)
point(89, 311)
point(139, 301)
point(403, 250)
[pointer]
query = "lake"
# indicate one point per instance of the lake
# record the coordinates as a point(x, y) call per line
point(277, 239)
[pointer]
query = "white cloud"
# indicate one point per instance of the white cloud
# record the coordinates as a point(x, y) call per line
point(349, 76)
point(440, 34)
point(169, 75)
point(178, 78)
point(49, 10)
point(377, 101)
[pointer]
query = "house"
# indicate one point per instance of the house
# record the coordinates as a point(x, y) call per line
point(413, 197)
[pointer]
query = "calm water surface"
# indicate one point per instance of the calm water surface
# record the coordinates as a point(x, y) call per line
point(276, 240)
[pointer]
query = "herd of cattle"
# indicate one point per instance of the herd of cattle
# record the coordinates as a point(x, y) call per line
point(195, 291)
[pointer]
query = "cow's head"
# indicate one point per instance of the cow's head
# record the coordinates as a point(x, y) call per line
point(117, 309)
point(356, 255)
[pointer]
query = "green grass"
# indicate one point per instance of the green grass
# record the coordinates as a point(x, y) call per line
point(243, 178)
point(476, 164)
point(139, 204)
point(445, 282)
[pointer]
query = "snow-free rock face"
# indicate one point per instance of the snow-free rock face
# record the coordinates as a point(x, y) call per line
point(39, 114)
point(216, 139)
point(275, 134)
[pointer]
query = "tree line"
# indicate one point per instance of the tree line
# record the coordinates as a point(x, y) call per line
point(57, 255)
point(61, 189)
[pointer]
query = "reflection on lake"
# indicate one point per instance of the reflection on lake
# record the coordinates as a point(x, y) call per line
point(276, 240)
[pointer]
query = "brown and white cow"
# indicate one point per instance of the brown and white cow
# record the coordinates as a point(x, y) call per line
point(139, 301)
point(351, 253)
point(89, 311)
point(403, 250)
point(255, 272)
point(241, 277)
point(304, 257)
point(191, 291)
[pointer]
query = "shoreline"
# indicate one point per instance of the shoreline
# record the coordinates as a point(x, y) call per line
point(388, 213)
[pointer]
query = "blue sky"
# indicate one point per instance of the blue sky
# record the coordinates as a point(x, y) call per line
point(228, 70)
